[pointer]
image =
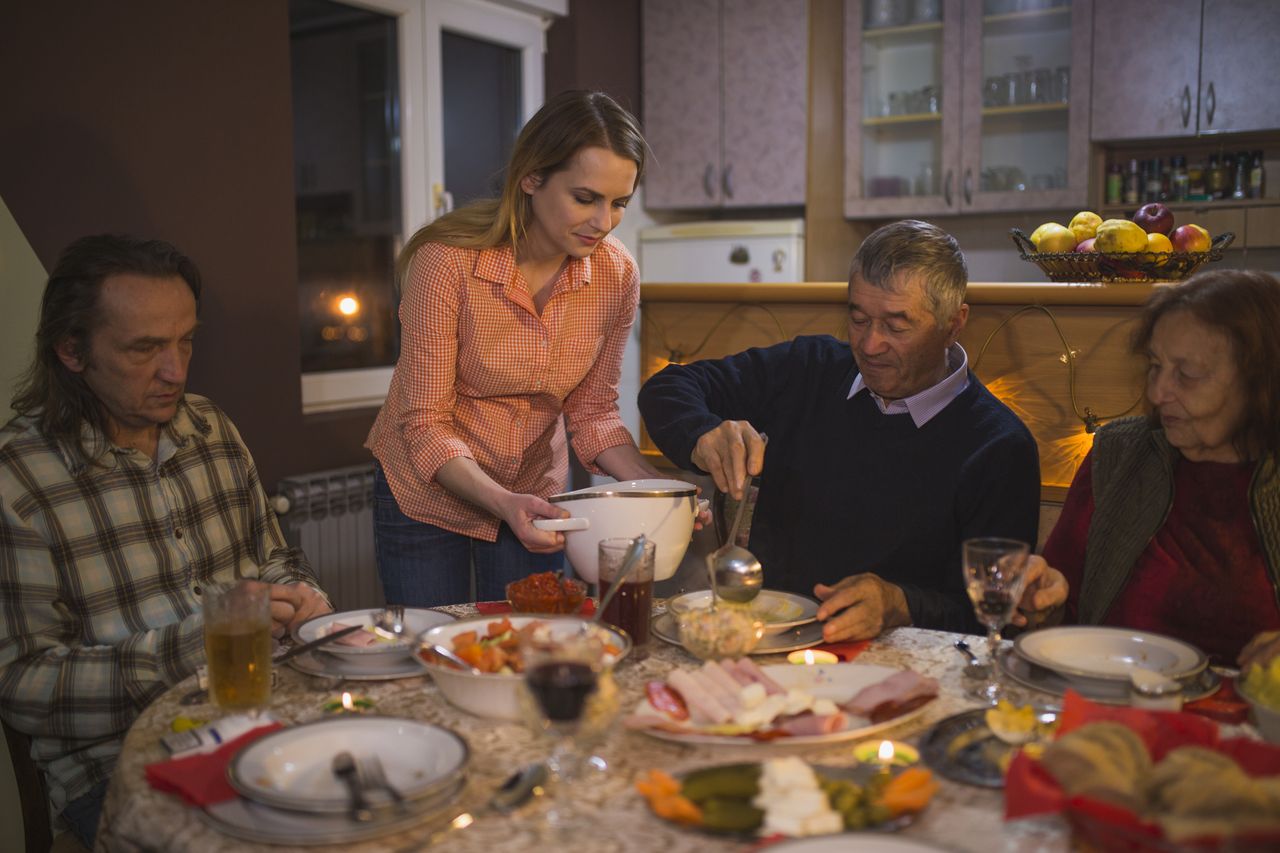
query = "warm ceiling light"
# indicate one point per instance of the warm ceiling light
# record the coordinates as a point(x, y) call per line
point(349, 305)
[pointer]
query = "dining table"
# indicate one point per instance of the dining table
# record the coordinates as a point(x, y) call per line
point(960, 817)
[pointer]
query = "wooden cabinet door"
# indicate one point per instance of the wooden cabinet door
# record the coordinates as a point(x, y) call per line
point(1146, 62)
point(1239, 42)
point(681, 66)
point(765, 52)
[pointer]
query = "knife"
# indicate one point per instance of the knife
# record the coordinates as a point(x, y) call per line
point(315, 644)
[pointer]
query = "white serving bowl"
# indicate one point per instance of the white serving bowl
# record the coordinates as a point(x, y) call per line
point(1265, 717)
point(495, 695)
point(663, 510)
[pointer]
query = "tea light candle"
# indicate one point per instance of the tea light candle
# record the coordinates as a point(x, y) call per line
point(812, 656)
point(349, 704)
point(886, 753)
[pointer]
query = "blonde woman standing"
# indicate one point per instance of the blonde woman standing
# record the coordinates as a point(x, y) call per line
point(514, 314)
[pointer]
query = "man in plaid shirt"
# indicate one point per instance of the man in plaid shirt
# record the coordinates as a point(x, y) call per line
point(121, 500)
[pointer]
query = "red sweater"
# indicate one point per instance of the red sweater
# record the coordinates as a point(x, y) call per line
point(1202, 578)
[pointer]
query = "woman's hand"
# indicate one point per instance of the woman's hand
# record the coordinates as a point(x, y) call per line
point(1045, 594)
point(1260, 650)
point(520, 511)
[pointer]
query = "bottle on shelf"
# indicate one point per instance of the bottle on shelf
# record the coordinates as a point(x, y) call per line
point(1216, 178)
point(1115, 183)
point(1196, 187)
point(1257, 176)
point(1131, 185)
point(1154, 181)
point(1179, 182)
point(1240, 186)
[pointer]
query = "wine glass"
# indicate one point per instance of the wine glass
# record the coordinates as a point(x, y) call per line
point(570, 697)
point(995, 573)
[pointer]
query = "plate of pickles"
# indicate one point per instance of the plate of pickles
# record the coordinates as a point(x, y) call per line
point(787, 796)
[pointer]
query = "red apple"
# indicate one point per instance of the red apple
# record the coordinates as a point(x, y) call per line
point(1190, 238)
point(1086, 245)
point(1154, 218)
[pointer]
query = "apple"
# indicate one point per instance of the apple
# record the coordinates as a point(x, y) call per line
point(1190, 238)
point(1086, 245)
point(1154, 218)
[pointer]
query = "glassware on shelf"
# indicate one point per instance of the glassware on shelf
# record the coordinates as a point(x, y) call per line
point(1061, 84)
point(926, 180)
point(884, 13)
point(926, 11)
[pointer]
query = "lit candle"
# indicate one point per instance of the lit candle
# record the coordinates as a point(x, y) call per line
point(812, 656)
point(349, 704)
point(886, 753)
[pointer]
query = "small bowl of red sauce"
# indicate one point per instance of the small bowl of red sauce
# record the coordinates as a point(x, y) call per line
point(546, 592)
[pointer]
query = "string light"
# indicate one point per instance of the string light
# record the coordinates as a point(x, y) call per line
point(676, 355)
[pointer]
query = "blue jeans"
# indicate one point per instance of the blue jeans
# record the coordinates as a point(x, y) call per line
point(81, 814)
point(422, 565)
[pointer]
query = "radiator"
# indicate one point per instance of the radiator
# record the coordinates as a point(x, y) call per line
point(329, 515)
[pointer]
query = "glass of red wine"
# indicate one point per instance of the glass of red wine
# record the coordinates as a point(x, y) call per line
point(569, 696)
point(995, 574)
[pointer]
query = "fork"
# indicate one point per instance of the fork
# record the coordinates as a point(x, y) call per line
point(372, 775)
point(390, 622)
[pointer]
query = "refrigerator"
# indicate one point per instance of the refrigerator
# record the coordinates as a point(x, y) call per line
point(726, 251)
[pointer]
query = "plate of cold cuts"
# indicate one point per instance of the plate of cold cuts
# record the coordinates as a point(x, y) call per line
point(733, 702)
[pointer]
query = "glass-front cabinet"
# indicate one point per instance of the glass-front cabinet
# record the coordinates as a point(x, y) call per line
point(955, 106)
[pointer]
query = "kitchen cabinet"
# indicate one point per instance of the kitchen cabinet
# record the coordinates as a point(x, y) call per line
point(965, 106)
point(725, 96)
point(1183, 67)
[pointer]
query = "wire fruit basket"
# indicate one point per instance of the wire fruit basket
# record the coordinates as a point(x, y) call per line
point(1129, 267)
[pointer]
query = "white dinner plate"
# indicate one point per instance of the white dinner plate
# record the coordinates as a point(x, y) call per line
point(779, 611)
point(1204, 683)
point(292, 768)
point(333, 666)
point(838, 682)
point(416, 621)
point(1108, 654)
point(250, 821)
point(862, 842)
point(803, 637)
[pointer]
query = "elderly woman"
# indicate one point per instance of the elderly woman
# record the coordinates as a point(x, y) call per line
point(1172, 524)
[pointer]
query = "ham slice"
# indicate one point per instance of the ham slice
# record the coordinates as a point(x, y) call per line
point(893, 692)
point(721, 676)
point(809, 724)
point(726, 696)
point(703, 707)
point(358, 639)
point(748, 668)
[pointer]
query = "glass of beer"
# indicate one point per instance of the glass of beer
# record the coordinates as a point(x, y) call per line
point(632, 606)
point(237, 645)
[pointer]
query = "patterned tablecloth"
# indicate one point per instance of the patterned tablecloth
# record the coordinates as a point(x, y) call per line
point(960, 818)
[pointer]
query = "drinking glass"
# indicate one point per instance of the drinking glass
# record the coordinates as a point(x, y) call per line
point(237, 645)
point(632, 607)
point(568, 696)
point(995, 573)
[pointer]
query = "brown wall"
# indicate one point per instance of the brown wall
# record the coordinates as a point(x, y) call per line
point(597, 47)
point(173, 120)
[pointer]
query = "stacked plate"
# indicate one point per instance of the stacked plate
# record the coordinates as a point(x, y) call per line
point(380, 660)
point(790, 620)
point(1099, 662)
point(290, 794)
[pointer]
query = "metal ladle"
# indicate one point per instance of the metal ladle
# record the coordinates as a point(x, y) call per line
point(736, 574)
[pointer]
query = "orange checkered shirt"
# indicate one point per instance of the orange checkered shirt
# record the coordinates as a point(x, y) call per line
point(482, 375)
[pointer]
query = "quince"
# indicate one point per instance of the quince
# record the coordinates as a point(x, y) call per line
point(1052, 237)
point(1120, 236)
point(1085, 225)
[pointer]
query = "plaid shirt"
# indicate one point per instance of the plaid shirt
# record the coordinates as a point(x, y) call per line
point(481, 375)
point(101, 570)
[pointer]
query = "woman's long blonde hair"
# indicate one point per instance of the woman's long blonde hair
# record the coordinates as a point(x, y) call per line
point(568, 122)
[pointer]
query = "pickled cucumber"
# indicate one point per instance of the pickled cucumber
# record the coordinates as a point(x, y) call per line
point(732, 781)
point(728, 814)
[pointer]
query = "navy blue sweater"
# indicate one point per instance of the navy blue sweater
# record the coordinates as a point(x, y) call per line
point(847, 489)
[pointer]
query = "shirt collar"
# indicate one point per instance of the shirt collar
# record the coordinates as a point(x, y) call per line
point(186, 424)
point(498, 265)
point(926, 404)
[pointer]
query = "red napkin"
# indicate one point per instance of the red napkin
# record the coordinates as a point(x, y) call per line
point(1225, 705)
point(201, 779)
point(496, 608)
point(845, 651)
point(1030, 790)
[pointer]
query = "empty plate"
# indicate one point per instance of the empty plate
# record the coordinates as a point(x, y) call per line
point(1109, 654)
point(293, 768)
point(1108, 692)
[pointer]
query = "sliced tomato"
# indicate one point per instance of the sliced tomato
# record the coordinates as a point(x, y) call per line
point(667, 699)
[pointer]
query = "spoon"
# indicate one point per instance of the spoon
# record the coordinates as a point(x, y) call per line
point(975, 669)
point(628, 564)
point(344, 767)
point(449, 655)
point(389, 623)
point(736, 574)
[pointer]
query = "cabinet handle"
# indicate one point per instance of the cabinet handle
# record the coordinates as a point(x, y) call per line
point(946, 189)
point(968, 186)
point(727, 182)
point(1213, 103)
point(1186, 105)
point(708, 181)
